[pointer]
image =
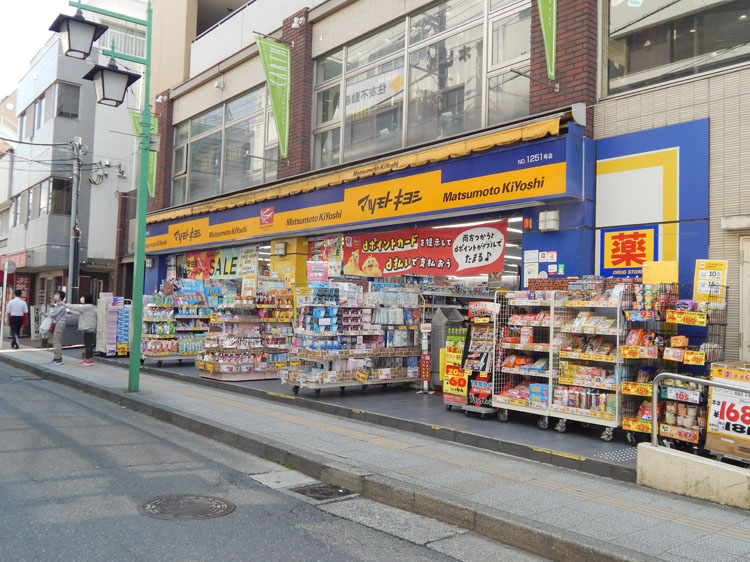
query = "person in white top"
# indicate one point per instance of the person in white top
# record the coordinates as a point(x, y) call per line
point(17, 309)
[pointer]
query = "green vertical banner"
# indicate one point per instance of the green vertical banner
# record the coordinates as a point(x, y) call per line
point(135, 117)
point(276, 64)
point(548, 19)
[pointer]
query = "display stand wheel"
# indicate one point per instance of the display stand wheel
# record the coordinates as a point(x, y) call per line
point(467, 413)
point(295, 390)
point(608, 433)
point(542, 422)
point(179, 361)
point(448, 407)
point(158, 363)
point(317, 392)
point(630, 438)
point(502, 415)
point(342, 388)
point(585, 425)
point(562, 426)
point(364, 388)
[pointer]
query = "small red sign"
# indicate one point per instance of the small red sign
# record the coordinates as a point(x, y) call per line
point(266, 215)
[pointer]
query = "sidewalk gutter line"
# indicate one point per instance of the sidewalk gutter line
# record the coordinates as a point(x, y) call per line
point(520, 532)
point(598, 467)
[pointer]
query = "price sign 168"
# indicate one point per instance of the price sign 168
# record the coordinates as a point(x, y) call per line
point(736, 420)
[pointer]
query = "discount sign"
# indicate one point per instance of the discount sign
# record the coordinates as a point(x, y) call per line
point(456, 381)
point(729, 413)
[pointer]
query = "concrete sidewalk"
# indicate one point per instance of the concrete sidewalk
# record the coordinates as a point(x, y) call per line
point(558, 513)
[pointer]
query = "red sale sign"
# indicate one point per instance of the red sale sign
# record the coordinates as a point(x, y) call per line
point(466, 251)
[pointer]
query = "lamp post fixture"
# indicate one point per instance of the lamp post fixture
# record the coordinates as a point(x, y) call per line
point(111, 84)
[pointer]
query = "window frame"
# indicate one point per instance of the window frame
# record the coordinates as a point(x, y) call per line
point(58, 87)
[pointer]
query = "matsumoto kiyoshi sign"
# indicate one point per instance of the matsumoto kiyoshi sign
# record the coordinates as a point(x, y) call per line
point(427, 251)
point(534, 171)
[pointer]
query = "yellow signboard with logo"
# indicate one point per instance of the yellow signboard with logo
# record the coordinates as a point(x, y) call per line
point(624, 251)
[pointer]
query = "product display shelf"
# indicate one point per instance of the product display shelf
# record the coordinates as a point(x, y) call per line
point(113, 325)
point(525, 327)
point(685, 337)
point(342, 341)
point(173, 329)
point(585, 387)
point(255, 340)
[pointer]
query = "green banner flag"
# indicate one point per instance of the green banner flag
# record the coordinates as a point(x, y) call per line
point(276, 64)
point(548, 19)
point(135, 117)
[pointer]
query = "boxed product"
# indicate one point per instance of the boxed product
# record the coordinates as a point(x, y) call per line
point(527, 335)
point(538, 393)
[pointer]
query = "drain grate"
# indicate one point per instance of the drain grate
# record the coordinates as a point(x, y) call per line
point(321, 492)
point(185, 507)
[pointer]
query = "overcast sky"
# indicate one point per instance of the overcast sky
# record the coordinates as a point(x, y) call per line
point(24, 28)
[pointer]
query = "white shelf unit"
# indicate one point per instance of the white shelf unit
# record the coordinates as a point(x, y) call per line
point(585, 391)
point(506, 378)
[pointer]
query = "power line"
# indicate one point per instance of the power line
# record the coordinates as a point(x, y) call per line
point(35, 143)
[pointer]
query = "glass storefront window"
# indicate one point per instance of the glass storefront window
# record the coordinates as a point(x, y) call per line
point(511, 37)
point(327, 105)
point(376, 47)
point(326, 148)
point(205, 122)
point(329, 67)
point(374, 110)
point(445, 87)
point(652, 42)
point(243, 141)
point(442, 17)
point(272, 165)
point(508, 95)
point(245, 105)
point(205, 167)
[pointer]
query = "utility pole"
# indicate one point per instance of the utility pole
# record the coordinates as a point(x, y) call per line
point(75, 232)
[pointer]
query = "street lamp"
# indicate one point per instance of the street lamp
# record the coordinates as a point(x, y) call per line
point(111, 83)
point(77, 34)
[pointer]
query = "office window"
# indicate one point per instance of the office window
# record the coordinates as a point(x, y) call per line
point(23, 203)
point(34, 194)
point(272, 164)
point(179, 161)
point(445, 87)
point(16, 210)
point(44, 195)
point(21, 125)
point(511, 38)
point(4, 222)
point(508, 97)
point(178, 191)
point(375, 47)
point(328, 105)
point(243, 154)
point(442, 17)
point(39, 112)
point(29, 122)
point(329, 67)
point(651, 42)
point(245, 105)
point(326, 148)
point(205, 167)
point(67, 100)
point(60, 197)
point(181, 132)
point(206, 122)
point(374, 110)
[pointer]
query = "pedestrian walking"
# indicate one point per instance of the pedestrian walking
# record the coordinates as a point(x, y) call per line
point(86, 312)
point(17, 309)
point(57, 314)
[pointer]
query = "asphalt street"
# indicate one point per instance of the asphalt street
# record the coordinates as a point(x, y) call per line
point(75, 468)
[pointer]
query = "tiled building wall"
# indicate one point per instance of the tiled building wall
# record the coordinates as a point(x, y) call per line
point(724, 100)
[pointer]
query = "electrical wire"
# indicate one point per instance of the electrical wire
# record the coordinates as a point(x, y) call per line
point(36, 143)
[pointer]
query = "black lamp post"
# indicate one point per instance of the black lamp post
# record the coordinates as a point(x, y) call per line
point(77, 34)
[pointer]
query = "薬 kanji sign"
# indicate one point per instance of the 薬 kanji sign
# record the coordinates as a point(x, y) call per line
point(624, 250)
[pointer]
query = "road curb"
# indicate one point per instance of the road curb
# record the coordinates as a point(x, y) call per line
point(522, 533)
point(587, 465)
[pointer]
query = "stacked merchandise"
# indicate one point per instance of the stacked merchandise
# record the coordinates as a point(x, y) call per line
point(669, 331)
point(174, 325)
point(346, 336)
point(113, 325)
point(255, 338)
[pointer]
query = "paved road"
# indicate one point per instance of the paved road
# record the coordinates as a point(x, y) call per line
point(74, 468)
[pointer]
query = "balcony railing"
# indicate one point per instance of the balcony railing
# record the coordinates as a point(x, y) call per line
point(125, 43)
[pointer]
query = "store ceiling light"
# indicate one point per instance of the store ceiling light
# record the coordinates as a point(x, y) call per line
point(509, 257)
point(517, 230)
point(515, 219)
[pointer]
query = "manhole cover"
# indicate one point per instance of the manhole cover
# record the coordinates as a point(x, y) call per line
point(186, 507)
point(321, 492)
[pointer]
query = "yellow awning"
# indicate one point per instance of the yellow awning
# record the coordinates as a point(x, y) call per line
point(527, 132)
